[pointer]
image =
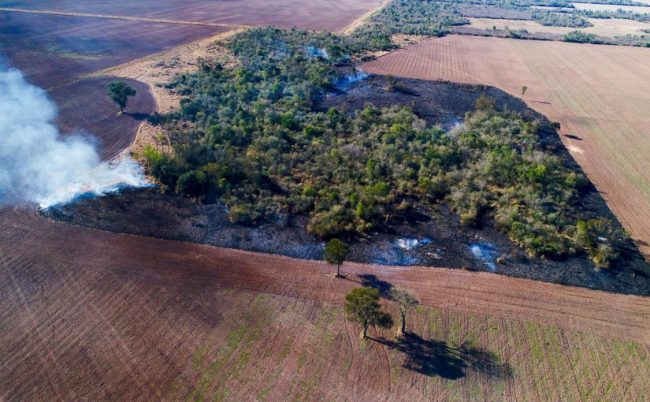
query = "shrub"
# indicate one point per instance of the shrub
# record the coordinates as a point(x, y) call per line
point(243, 214)
point(581, 37)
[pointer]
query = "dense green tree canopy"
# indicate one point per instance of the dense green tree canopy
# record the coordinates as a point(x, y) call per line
point(253, 137)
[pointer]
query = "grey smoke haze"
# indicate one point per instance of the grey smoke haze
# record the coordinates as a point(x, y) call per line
point(37, 165)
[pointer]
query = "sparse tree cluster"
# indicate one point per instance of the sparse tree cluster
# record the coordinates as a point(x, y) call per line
point(253, 137)
point(560, 19)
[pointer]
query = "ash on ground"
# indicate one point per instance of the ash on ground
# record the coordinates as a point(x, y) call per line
point(433, 237)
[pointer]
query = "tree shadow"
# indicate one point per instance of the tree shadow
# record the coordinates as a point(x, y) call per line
point(137, 116)
point(371, 281)
point(436, 358)
point(573, 137)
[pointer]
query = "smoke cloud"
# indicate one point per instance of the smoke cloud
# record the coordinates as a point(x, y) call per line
point(37, 165)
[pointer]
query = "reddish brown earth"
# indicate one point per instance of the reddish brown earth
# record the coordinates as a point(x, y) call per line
point(599, 95)
point(85, 109)
point(104, 316)
point(190, 264)
point(93, 315)
point(51, 50)
point(331, 15)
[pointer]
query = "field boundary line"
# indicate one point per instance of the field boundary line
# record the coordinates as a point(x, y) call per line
point(124, 17)
point(154, 56)
point(348, 30)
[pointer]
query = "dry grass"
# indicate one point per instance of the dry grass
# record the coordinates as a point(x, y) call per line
point(603, 27)
point(362, 20)
point(612, 7)
point(599, 94)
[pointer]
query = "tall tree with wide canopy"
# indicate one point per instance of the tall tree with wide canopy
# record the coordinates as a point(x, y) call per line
point(362, 305)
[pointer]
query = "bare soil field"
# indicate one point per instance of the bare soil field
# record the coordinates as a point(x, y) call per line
point(603, 27)
point(116, 17)
point(88, 314)
point(611, 7)
point(85, 109)
point(94, 315)
point(52, 50)
point(599, 94)
point(331, 15)
point(101, 316)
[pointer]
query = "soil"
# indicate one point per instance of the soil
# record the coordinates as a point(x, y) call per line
point(332, 15)
point(85, 109)
point(91, 315)
point(428, 237)
point(52, 50)
point(83, 251)
point(103, 316)
point(612, 30)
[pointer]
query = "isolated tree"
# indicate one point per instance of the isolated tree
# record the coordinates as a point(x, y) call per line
point(335, 253)
point(119, 92)
point(405, 302)
point(523, 90)
point(362, 305)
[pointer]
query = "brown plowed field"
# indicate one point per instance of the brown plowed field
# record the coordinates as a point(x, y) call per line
point(88, 314)
point(52, 50)
point(84, 108)
point(331, 15)
point(101, 316)
point(599, 94)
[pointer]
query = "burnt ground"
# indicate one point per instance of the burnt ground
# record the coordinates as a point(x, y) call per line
point(429, 237)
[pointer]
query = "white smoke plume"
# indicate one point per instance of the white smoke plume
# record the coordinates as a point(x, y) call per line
point(37, 165)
